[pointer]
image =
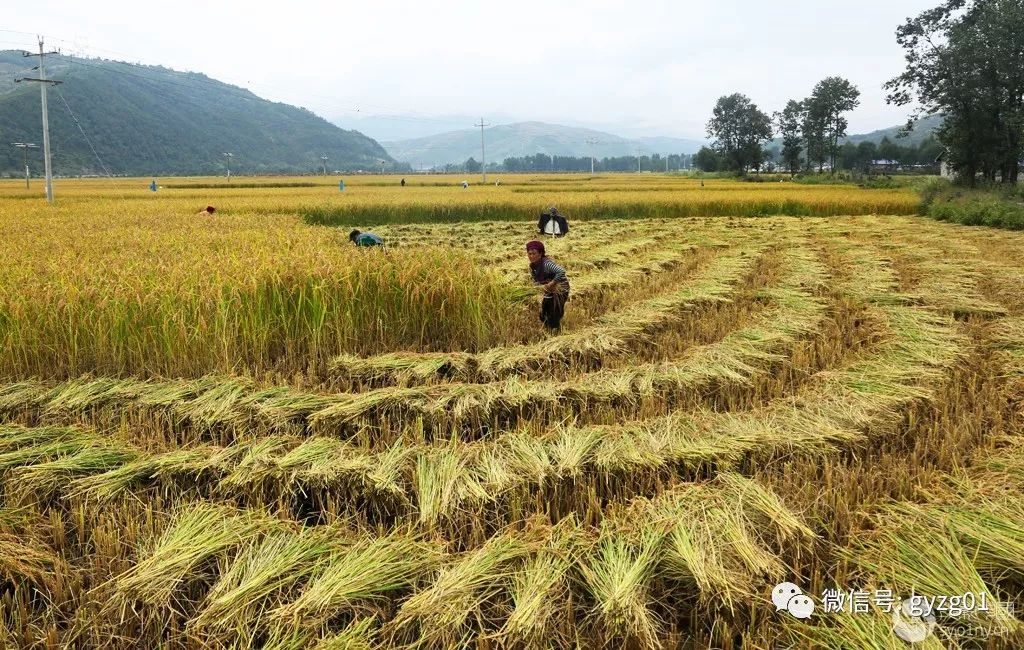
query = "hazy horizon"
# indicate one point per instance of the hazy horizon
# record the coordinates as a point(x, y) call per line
point(652, 69)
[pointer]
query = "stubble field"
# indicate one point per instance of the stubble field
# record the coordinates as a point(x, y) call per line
point(238, 431)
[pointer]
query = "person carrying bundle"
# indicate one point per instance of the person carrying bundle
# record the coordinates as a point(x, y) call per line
point(552, 222)
point(546, 272)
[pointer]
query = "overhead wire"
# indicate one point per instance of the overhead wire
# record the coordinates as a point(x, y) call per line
point(82, 130)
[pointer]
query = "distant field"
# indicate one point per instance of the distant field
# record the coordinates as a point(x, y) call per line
point(239, 431)
point(376, 200)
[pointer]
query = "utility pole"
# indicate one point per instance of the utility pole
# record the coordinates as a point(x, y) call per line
point(638, 161)
point(25, 146)
point(483, 157)
point(592, 142)
point(666, 163)
point(324, 158)
point(43, 83)
point(227, 161)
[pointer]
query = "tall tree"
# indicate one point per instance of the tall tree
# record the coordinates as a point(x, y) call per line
point(965, 60)
point(789, 123)
point(738, 127)
point(832, 97)
point(813, 129)
point(707, 160)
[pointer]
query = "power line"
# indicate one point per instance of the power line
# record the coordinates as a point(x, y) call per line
point(87, 140)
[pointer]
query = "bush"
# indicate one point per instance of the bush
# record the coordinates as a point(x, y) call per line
point(996, 207)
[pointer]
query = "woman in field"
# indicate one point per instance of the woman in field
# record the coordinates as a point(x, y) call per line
point(360, 238)
point(546, 272)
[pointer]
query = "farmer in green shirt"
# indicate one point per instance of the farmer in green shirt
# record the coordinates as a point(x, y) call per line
point(365, 238)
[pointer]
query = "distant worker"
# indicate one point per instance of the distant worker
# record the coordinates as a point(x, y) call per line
point(552, 222)
point(341, 186)
point(403, 182)
point(497, 183)
point(365, 238)
point(546, 272)
point(465, 184)
point(208, 210)
point(152, 186)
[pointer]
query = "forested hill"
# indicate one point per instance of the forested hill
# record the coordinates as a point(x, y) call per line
point(149, 120)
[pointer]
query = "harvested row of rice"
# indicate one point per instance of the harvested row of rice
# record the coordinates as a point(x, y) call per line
point(434, 484)
point(269, 578)
point(611, 334)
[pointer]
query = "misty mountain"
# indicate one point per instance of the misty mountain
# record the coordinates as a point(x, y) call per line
point(150, 120)
point(922, 130)
point(408, 126)
point(529, 138)
point(526, 139)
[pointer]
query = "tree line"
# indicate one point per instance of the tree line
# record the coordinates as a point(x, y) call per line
point(811, 130)
point(965, 62)
point(542, 162)
point(855, 157)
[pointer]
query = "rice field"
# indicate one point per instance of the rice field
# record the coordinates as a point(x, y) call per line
point(239, 431)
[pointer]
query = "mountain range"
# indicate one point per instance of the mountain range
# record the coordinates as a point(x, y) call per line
point(528, 138)
point(119, 118)
point(922, 130)
point(111, 117)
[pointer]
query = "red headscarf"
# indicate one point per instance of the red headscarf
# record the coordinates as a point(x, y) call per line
point(535, 245)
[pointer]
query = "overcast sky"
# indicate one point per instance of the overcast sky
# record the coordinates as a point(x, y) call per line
point(635, 68)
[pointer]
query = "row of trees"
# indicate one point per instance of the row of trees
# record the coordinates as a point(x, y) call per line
point(850, 156)
point(965, 61)
point(542, 162)
point(811, 129)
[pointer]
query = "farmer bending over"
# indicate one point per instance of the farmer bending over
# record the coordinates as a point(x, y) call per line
point(552, 222)
point(546, 272)
point(365, 238)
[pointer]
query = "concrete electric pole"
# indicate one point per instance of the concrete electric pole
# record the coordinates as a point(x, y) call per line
point(483, 157)
point(43, 84)
point(25, 146)
point(227, 161)
point(592, 142)
point(324, 158)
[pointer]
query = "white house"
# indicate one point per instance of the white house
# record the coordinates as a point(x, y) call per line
point(945, 170)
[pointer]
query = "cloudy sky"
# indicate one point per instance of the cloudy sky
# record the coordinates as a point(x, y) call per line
point(634, 68)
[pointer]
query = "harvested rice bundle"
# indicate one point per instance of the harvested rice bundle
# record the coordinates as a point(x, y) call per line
point(360, 577)
point(719, 535)
point(542, 585)
point(618, 574)
point(198, 534)
point(439, 614)
point(193, 467)
point(914, 551)
point(263, 575)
